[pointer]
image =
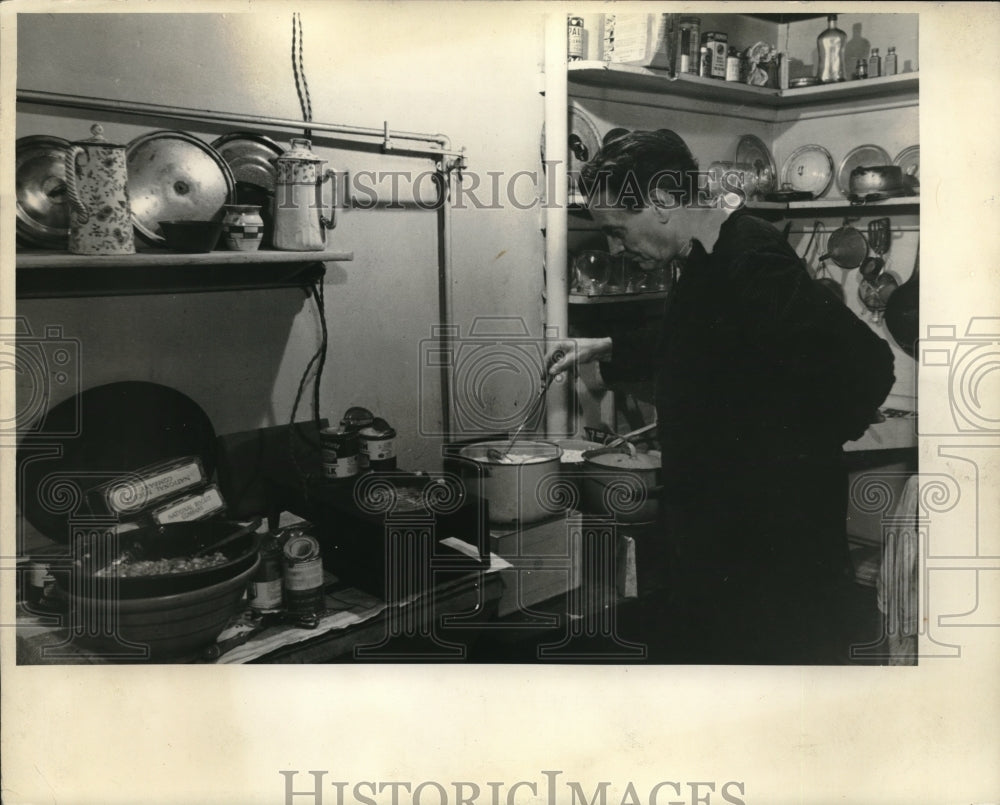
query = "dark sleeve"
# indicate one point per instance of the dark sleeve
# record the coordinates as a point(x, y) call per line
point(836, 370)
point(631, 353)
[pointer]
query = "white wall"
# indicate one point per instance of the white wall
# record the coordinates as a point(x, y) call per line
point(240, 355)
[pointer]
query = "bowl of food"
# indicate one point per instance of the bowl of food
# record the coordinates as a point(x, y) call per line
point(621, 483)
point(191, 237)
point(167, 626)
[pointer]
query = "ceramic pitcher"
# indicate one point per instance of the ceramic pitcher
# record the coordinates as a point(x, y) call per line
point(100, 220)
point(299, 223)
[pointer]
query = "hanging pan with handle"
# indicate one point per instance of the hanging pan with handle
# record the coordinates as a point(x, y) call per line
point(902, 311)
point(846, 246)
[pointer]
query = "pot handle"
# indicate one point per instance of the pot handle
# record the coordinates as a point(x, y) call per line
point(81, 209)
point(331, 222)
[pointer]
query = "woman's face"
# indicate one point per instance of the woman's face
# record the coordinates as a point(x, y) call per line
point(652, 236)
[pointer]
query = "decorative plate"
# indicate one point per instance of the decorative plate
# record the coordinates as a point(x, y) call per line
point(810, 169)
point(868, 156)
point(173, 176)
point(41, 204)
point(909, 160)
point(249, 157)
point(751, 151)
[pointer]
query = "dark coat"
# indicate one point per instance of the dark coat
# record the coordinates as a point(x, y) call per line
point(761, 376)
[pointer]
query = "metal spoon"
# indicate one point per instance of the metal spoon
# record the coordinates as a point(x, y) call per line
point(253, 526)
point(498, 456)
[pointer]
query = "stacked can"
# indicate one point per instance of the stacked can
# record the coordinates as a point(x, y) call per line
point(302, 575)
point(340, 454)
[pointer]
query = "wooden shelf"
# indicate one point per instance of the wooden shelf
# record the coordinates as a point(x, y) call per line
point(643, 79)
point(55, 274)
point(607, 299)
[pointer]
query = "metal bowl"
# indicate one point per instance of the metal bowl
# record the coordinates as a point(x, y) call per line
point(42, 207)
point(173, 176)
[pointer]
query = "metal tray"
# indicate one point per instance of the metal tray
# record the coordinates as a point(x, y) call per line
point(173, 176)
point(41, 204)
point(809, 169)
point(249, 157)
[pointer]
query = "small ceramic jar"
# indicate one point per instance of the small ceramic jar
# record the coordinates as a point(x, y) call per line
point(242, 227)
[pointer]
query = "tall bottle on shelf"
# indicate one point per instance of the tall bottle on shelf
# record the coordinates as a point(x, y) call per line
point(830, 52)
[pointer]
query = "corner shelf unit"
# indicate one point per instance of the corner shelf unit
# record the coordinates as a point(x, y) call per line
point(58, 274)
point(770, 103)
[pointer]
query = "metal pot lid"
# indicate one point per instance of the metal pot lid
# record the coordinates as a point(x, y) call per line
point(173, 176)
point(909, 160)
point(97, 138)
point(862, 155)
point(249, 157)
point(751, 150)
point(809, 168)
point(40, 198)
point(301, 151)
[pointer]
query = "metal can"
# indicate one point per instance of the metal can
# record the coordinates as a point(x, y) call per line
point(378, 446)
point(266, 588)
point(705, 62)
point(717, 44)
point(340, 454)
point(733, 65)
point(302, 574)
point(574, 44)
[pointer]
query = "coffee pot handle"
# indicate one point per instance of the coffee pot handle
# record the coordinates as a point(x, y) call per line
point(81, 209)
point(331, 222)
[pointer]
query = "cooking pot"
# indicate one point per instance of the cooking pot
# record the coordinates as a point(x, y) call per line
point(520, 488)
point(622, 485)
point(876, 182)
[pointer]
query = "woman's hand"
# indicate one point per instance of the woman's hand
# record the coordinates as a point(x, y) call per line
point(566, 354)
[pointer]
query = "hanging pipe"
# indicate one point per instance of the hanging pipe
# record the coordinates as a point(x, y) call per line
point(433, 145)
point(556, 215)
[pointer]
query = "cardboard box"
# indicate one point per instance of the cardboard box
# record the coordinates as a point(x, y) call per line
point(187, 508)
point(547, 562)
point(132, 494)
point(645, 40)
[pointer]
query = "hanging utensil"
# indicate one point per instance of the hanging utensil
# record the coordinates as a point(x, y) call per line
point(879, 237)
point(902, 311)
point(846, 246)
point(533, 408)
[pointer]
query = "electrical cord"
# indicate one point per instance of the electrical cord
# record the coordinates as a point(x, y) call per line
point(318, 360)
point(298, 70)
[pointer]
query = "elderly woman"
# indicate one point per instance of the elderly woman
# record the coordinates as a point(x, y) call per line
point(761, 376)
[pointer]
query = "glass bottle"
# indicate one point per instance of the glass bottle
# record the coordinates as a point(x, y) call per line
point(830, 52)
point(860, 69)
point(874, 64)
point(890, 62)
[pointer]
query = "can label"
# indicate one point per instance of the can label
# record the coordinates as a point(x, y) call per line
point(574, 46)
point(266, 595)
point(377, 450)
point(336, 466)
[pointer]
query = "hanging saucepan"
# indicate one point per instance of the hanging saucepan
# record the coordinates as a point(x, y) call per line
point(847, 247)
point(902, 311)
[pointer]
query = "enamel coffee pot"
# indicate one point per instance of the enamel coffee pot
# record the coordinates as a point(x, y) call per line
point(299, 223)
point(100, 220)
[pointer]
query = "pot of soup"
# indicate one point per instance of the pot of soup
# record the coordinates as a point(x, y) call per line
point(520, 485)
point(622, 484)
